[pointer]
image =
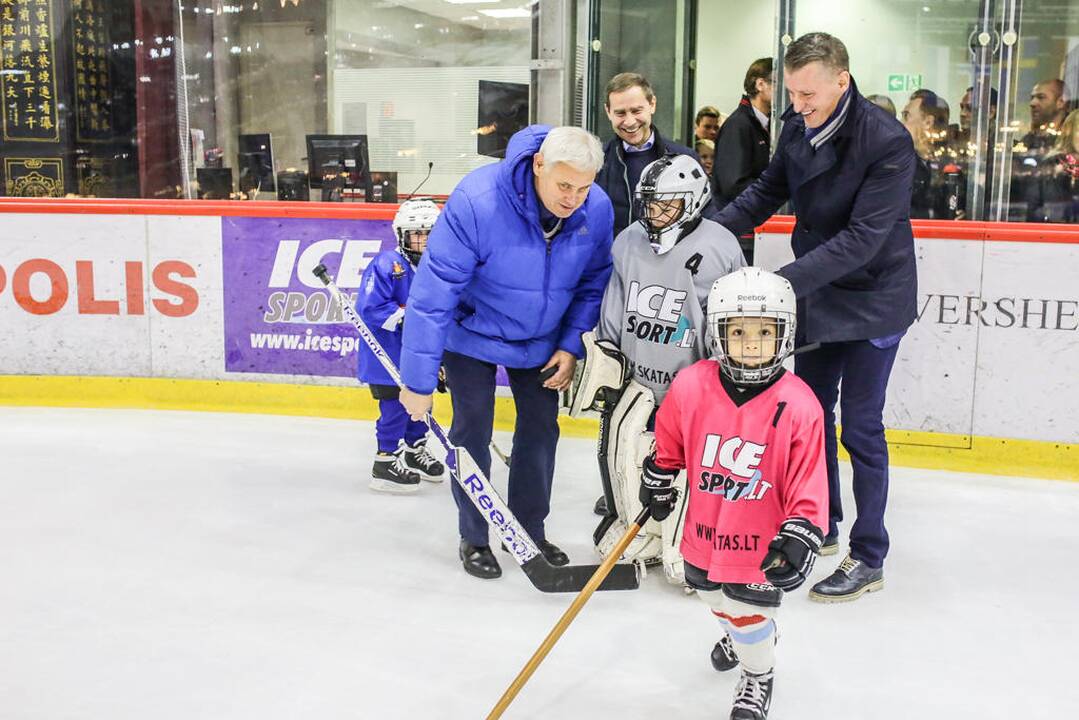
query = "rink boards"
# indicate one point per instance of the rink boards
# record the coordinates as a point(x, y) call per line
point(92, 291)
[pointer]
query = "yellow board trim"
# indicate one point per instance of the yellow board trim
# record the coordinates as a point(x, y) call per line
point(938, 451)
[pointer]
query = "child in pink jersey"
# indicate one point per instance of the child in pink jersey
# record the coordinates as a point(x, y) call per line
point(751, 438)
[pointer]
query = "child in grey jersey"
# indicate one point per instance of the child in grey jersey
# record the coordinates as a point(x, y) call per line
point(664, 266)
point(654, 307)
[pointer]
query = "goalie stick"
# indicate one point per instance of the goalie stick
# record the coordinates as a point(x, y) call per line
point(467, 474)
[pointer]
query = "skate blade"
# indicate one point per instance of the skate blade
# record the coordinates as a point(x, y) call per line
point(430, 478)
point(871, 587)
point(391, 488)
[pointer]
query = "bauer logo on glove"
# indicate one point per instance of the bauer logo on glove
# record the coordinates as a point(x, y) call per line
point(791, 554)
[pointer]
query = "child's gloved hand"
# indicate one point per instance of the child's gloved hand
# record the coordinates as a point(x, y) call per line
point(791, 554)
point(657, 491)
point(441, 387)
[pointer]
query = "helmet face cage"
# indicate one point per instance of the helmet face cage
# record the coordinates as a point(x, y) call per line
point(660, 211)
point(758, 369)
point(413, 218)
point(672, 192)
point(411, 244)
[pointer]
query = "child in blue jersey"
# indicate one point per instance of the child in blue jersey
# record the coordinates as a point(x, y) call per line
point(402, 459)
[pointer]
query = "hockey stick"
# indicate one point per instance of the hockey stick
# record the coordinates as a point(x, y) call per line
point(467, 474)
point(567, 617)
point(501, 455)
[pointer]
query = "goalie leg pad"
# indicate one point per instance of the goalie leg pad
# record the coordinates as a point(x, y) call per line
point(671, 532)
point(598, 378)
point(628, 443)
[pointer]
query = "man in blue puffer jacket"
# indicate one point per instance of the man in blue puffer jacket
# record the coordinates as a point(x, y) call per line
point(514, 272)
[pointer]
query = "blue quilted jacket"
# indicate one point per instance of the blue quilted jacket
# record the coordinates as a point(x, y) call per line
point(491, 287)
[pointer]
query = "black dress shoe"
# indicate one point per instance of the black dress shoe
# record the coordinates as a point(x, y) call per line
point(553, 553)
point(479, 561)
point(600, 508)
point(852, 579)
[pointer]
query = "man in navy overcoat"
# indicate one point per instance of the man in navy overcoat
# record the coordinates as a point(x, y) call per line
point(847, 168)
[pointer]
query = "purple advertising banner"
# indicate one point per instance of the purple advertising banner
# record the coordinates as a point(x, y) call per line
point(278, 318)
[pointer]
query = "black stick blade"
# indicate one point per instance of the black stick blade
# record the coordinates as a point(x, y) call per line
point(573, 578)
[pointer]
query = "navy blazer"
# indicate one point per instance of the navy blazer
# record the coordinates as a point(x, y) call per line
point(854, 272)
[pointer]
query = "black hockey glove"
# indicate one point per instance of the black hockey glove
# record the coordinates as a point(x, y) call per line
point(657, 492)
point(791, 554)
point(441, 387)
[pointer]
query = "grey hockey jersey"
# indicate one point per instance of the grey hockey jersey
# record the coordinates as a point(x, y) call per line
point(654, 306)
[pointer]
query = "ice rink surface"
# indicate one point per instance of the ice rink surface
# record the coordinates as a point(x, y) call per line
point(188, 566)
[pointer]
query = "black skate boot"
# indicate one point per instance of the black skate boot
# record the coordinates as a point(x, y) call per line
point(421, 462)
point(389, 475)
point(753, 697)
point(724, 657)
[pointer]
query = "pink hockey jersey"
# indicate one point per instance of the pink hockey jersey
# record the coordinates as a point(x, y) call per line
point(749, 468)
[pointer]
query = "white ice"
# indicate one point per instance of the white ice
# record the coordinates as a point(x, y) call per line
point(186, 565)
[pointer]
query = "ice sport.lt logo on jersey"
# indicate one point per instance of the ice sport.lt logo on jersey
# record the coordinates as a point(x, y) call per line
point(730, 468)
point(654, 314)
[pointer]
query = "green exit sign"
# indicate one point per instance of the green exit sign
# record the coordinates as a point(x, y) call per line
point(900, 82)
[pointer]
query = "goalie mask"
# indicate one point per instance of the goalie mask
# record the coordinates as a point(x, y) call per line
point(412, 224)
point(751, 323)
point(671, 195)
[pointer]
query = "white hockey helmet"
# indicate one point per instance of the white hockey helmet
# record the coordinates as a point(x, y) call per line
point(671, 195)
point(749, 293)
point(413, 216)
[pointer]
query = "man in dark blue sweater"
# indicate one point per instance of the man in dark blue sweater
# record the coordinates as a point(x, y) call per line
point(630, 105)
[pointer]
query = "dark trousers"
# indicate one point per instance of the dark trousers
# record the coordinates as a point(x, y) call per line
point(858, 373)
point(535, 438)
point(393, 422)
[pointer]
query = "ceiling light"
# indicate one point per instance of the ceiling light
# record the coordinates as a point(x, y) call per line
point(508, 13)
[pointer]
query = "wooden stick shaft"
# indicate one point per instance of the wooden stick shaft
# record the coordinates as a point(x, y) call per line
point(567, 618)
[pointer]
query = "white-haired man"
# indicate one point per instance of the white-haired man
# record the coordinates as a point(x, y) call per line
point(514, 272)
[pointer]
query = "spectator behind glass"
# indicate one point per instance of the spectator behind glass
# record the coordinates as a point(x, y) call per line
point(926, 117)
point(938, 183)
point(966, 114)
point(883, 102)
point(707, 123)
point(1055, 188)
point(1048, 106)
point(744, 142)
point(1027, 192)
